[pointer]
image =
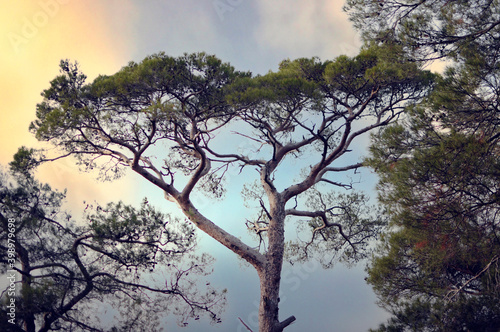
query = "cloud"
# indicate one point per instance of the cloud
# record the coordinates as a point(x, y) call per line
point(312, 28)
point(174, 28)
point(37, 35)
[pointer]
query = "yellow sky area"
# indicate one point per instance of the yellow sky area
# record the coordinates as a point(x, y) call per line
point(438, 66)
point(36, 35)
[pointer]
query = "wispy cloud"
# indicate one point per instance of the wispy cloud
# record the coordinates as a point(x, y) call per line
point(299, 28)
point(177, 28)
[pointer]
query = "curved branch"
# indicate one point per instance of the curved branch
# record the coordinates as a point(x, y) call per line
point(326, 223)
point(52, 317)
point(236, 157)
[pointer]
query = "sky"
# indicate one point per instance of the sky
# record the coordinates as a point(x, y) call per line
point(103, 36)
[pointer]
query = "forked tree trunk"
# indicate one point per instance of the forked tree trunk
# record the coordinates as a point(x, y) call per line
point(268, 266)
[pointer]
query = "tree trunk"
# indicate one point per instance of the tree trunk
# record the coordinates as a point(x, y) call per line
point(270, 275)
point(269, 299)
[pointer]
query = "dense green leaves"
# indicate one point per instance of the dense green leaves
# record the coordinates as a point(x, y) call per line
point(477, 314)
point(440, 178)
point(439, 169)
point(437, 268)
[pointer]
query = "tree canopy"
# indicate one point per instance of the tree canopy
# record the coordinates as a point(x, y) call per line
point(135, 260)
point(439, 175)
point(164, 118)
point(428, 29)
point(437, 268)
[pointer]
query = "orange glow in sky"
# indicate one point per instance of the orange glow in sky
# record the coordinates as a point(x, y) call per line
point(36, 35)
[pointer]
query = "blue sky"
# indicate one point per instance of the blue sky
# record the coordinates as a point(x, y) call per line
point(252, 35)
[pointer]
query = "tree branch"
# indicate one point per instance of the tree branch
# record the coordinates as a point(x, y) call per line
point(326, 223)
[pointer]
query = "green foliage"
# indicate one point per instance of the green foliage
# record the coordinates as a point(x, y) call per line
point(477, 314)
point(438, 268)
point(162, 94)
point(427, 29)
point(183, 103)
point(25, 160)
point(373, 66)
point(282, 91)
point(118, 255)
